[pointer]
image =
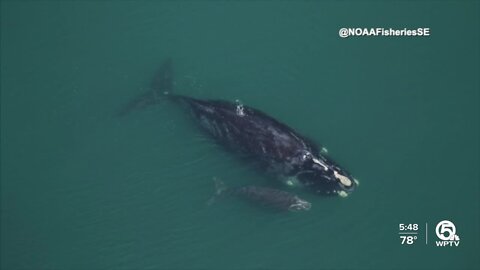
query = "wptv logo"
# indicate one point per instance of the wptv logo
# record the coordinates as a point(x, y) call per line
point(447, 233)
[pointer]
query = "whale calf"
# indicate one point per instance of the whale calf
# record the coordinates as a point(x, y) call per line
point(265, 196)
point(277, 147)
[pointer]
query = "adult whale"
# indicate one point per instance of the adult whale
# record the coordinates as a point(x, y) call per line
point(279, 148)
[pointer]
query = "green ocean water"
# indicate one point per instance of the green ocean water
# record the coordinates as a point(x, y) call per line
point(82, 189)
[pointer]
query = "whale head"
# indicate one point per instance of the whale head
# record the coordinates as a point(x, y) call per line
point(324, 177)
point(299, 205)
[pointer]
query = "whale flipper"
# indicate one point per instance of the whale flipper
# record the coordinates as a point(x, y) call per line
point(162, 84)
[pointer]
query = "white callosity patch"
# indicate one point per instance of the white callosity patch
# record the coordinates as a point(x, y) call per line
point(319, 162)
point(343, 179)
point(356, 181)
point(342, 194)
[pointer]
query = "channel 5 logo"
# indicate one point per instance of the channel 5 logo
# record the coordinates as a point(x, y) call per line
point(447, 233)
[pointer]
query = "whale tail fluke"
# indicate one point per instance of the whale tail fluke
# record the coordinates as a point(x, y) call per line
point(220, 189)
point(162, 84)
